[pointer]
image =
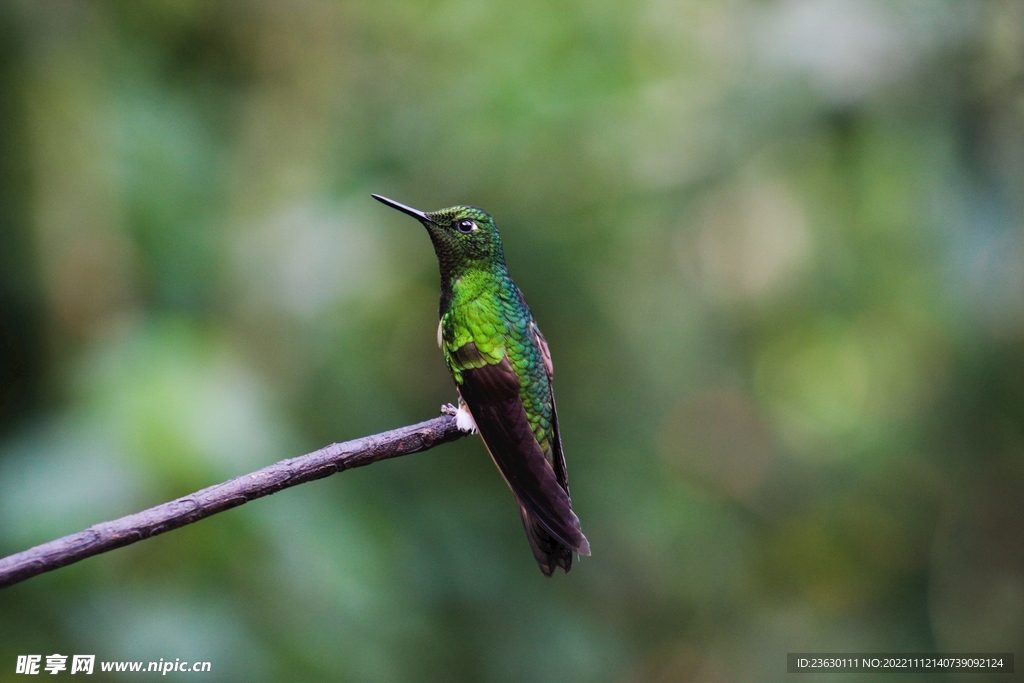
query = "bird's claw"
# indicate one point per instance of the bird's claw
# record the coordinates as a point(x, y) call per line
point(449, 409)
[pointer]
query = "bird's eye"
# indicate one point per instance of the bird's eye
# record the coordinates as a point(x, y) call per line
point(466, 225)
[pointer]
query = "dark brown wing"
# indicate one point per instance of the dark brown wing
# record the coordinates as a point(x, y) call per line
point(492, 394)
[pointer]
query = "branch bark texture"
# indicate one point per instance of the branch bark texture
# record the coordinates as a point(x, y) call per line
point(106, 536)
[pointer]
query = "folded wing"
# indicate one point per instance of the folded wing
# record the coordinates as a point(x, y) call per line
point(491, 390)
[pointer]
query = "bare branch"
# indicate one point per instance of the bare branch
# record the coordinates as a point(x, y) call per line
point(196, 506)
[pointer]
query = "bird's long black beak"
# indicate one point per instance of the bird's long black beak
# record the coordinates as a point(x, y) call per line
point(419, 215)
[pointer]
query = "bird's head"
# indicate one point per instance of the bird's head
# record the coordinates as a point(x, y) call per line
point(463, 236)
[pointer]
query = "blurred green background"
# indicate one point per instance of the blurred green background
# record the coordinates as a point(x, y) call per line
point(776, 247)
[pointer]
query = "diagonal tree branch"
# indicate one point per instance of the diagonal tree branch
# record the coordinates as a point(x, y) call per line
point(337, 457)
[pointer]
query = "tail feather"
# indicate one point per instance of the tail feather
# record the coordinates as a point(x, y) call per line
point(548, 551)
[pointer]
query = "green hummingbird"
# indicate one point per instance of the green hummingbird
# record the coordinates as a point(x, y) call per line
point(502, 369)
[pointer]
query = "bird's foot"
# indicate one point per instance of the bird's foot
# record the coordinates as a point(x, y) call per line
point(449, 409)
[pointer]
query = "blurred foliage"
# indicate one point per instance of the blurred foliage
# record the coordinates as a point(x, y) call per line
point(776, 247)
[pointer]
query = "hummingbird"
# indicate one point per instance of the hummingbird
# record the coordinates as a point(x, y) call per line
point(502, 369)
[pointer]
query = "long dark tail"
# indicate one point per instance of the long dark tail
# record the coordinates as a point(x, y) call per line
point(548, 552)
